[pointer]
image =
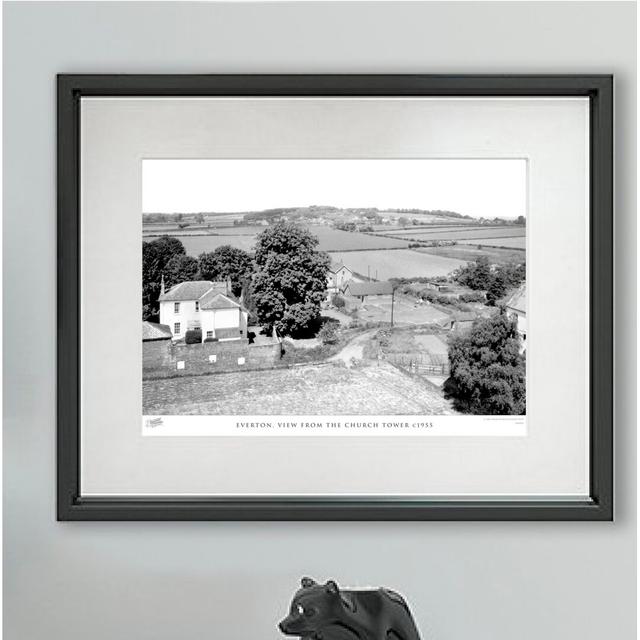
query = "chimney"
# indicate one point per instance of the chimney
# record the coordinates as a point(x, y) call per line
point(162, 284)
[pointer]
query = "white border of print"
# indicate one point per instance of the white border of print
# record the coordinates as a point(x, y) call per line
point(117, 133)
point(345, 426)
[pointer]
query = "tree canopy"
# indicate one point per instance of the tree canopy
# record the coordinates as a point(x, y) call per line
point(479, 276)
point(497, 288)
point(291, 279)
point(475, 275)
point(487, 370)
point(181, 268)
point(226, 262)
point(155, 256)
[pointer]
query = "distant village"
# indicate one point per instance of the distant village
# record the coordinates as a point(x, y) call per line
point(346, 219)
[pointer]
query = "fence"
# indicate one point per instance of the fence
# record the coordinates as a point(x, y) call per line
point(425, 364)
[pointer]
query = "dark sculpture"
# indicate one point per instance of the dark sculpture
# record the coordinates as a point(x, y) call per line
point(324, 612)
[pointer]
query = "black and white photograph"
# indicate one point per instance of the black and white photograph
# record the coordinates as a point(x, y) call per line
point(326, 288)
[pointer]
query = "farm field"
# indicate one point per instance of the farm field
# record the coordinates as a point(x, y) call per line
point(470, 252)
point(460, 234)
point(429, 228)
point(403, 263)
point(200, 230)
point(365, 390)
point(336, 240)
point(510, 243)
point(426, 218)
point(406, 312)
point(195, 242)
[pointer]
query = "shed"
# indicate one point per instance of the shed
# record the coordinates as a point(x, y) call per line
point(363, 290)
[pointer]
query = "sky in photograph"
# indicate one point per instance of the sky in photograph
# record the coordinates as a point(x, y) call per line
point(478, 188)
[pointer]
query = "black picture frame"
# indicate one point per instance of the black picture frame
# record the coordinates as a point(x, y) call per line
point(72, 506)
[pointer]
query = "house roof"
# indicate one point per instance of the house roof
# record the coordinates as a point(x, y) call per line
point(369, 288)
point(155, 331)
point(191, 290)
point(336, 266)
point(215, 300)
point(518, 300)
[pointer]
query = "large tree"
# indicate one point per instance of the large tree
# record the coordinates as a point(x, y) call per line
point(487, 369)
point(290, 282)
point(497, 288)
point(180, 268)
point(155, 256)
point(475, 275)
point(227, 262)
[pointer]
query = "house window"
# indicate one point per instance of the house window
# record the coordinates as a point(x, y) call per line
point(209, 334)
point(176, 307)
point(176, 328)
point(197, 306)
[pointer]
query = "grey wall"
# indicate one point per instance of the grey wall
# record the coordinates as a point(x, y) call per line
point(486, 581)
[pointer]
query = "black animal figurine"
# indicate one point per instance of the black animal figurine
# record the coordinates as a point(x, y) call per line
point(324, 612)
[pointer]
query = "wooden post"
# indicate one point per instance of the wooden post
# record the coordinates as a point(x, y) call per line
point(393, 291)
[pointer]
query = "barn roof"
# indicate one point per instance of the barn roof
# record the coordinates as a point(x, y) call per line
point(191, 290)
point(369, 288)
point(518, 300)
point(155, 331)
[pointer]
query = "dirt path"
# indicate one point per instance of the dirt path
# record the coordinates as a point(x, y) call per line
point(354, 349)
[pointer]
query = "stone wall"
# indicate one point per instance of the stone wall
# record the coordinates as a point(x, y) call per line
point(161, 359)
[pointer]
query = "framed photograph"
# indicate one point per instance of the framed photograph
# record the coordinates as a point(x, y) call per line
point(335, 297)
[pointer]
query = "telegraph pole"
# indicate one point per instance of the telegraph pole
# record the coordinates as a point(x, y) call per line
point(393, 292)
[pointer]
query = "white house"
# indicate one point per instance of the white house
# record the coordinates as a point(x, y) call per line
point(516, 307)
point(204, 305)
point(337, 277)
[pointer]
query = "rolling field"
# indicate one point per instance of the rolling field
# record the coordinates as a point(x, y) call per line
point(403, 263)
point(460, 234)
point(195, 242)
point(336, 240)
point(470, 252)
point(427, 218)
point(511, 243)
point(431, 228)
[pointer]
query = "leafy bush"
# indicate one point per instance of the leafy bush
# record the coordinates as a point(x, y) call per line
point(193, 336)
point(338, 301)
point(211, 339)
point(475, 275)
point(487, 369)
point(328, 334)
